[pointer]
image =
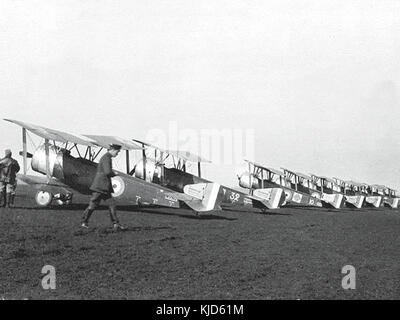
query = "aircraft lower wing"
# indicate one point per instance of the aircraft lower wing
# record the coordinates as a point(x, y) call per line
point(39, 181)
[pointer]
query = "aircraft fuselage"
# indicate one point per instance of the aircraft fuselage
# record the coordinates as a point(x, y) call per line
point(78, 173)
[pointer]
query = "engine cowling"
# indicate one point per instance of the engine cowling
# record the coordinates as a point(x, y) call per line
point(38, 162)
point(153, 171)
point(248, 181)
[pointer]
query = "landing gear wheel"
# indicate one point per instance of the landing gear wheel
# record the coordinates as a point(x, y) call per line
point(43, 198)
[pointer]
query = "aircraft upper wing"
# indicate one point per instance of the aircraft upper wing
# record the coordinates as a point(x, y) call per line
point(275, 171)
point(299, 174)
point(52, 134)
point(378, 186)
point(148, 144)
point(256, 164)
point(353, 183)
point(106, 141)
point(288, 171)
point(330, 180)
point(185, 155)
point(339, 180)
point(325, 178)
point(304, 176)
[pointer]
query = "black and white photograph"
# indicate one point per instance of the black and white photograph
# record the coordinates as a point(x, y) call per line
point(206, 152)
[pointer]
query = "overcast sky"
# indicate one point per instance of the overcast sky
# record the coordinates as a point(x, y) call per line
point(318, 81)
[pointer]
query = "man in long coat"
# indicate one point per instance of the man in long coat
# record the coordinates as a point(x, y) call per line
point(9, 168)
point(102, 188)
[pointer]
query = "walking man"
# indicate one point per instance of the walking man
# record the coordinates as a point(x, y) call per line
point(102, 188)
point(9, 168)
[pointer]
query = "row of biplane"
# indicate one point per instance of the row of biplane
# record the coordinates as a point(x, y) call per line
point(68, 163)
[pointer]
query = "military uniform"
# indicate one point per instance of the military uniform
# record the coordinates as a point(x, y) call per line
point(102, 189)
point(9, 168)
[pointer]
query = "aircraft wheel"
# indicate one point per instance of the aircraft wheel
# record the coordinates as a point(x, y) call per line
point(43, 198)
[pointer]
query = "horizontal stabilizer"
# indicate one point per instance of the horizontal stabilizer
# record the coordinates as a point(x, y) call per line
point(335, 200)
point(355, 201)
point(391, 202)
point(374, 201)
point(206, 194)
point(181, 196)
point(269, 197)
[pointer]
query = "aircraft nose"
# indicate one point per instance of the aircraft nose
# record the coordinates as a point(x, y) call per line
point(46, 163)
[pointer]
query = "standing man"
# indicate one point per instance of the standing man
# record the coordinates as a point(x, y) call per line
point(102, 188)
point(9, 168)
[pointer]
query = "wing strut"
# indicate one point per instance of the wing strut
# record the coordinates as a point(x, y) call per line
point(127, 162)
point(250, 185)
point(199, 169)
point(46, 148)
point(24, 152)
point(144, 162)
point(262, 179)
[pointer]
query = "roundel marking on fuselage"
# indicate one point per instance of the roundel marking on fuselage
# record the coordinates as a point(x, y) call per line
point(118, 185)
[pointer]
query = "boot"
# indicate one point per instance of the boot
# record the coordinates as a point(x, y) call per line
point(3, 198)
point(86, 215)
point(113, 215)
point(114, 219)
point(9, 200)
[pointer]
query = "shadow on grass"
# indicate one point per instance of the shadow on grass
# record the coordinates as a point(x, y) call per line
point(272, 212)
point(71, 207)
point(131, 208)
point(191, 215)
point(299, 207)
point(110, 230)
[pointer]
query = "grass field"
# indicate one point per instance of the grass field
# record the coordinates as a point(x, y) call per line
point(291, 253)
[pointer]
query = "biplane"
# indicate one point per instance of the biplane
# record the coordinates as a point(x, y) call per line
point(371, 200)
point(306, 184)
point(353, 196)
point(169, 168)
point(74, 173)
point(389, 195)
point(257, 177)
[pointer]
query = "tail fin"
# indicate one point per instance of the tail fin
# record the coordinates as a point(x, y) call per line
point(335, 200)
point(355, 201)
point(374, 201)
point(391, 202)
point(207, 193)
point(272, 198)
